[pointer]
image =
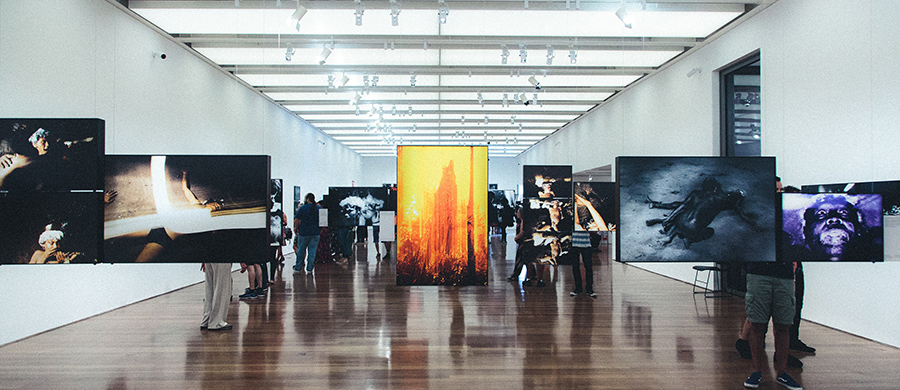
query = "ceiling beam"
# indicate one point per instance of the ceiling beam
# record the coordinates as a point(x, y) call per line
point(499, 5)
point(432, 89)
point(439, 70)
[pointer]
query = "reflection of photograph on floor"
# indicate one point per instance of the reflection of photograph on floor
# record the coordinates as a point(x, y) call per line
point(547, 181)
point(50, 228)
point(696, 209)
point(442, 215)
point(50, 154)
point(186, 209)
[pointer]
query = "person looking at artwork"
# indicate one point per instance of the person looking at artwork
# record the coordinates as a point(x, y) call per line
point(581, 244)
point(306, 224)
point(218, 296)
point(50, 252)
point(770, 294)
point(255, 281)
point(520, 244)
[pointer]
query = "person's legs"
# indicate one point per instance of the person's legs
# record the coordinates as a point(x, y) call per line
point(302, 247)
point(782, 344)
point(587, 257)
point(221, 295)
point(539, 271)
point(576, 274)
point(311, 252)
point(758, 345)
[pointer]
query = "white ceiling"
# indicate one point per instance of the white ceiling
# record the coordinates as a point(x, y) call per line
point(451, 63)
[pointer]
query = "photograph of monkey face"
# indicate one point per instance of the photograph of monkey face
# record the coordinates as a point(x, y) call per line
point(356, 206)
point(832, 227)
point(50, 228)
point(51, 155)
point(696, 209)
point(547, 181)
point(595, 206)
point(548, 215)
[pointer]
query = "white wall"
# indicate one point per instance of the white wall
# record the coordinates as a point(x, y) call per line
point(830, 74)
point(504, 171)
point(90, 59)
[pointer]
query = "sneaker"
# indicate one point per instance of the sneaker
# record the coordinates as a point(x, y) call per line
point(527, 283)
point(260, 291)
point(743, 348)
point(753, 381)
point(592, 294)
point(798, 345)
point(541, 283)
point(792, 361)
point(785, 380)
point(574, 293)
point(248, 295)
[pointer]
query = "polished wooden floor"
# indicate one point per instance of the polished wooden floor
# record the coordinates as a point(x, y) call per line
point(349, 326)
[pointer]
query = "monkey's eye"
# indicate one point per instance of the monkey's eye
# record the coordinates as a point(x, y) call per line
point(821, 214)
point(843, 213)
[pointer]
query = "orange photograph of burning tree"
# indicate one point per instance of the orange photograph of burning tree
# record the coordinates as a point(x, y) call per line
point(442, 215)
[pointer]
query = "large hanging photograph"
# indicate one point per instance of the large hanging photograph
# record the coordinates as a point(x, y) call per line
point(547, 181)
point(595, 206)
point(51, 155)
point(832, 227)
point(186, 209)
point(696, 209)
point(50, 228)
point(355, 206)
point(442, 215)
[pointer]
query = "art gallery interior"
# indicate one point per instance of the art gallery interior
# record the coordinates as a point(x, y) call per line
point(828, 71)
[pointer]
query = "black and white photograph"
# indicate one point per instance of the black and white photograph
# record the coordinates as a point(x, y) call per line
point(356, 206)
point(696, 209)
point(277, 219)
point(186, 208)
point(832, 227)
point(547, 181)
point(51, 155)
point(50, 228)
point(595, 206)
point(548, 215)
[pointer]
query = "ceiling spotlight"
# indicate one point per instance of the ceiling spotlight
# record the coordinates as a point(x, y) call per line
point(355, 99)
point(534, 83)
point(463, 120)
point(505, 100)
point(344, 80)
point(360, 9)
point(573, 56)
point(414, 128)
point(374, 80)
point(480, 99)
point(412, 81)
point(443, 11)
point(550, 55)
point(523, 98)
point(504, 54)
point(410, 110)
point(520, 127)
point(297, 15)
point(395, 13)
point(523, 54)
point(289, 52)
point(485, 120)
point(624, 16)
point(330, 81)
point(324, 54)
point(512, 119)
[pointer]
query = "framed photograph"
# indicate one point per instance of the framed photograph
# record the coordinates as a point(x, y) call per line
point(696, 209)
point(186, 209)
point(51, 155)
point(547, 181)
point(51, 228)
point(832, 227)
point(356, 206)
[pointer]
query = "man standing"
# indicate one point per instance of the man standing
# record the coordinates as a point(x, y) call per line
point(218, 296)
point(306, 224)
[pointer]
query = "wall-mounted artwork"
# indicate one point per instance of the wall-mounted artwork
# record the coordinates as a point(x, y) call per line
point(696, 209)
point(442, 215)
point(595, 206)
point(51, 155)
point(186, 209)
point(355, 206)
point(832, 227)
point(547, 181)
point(50, 228)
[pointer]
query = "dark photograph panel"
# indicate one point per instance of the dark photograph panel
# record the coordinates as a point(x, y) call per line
point(186, 209)
point(549, 248)
point(277, 219)
point(832, 227)
point(547, 181)
point(696, 209)
point(501, 211)
point(548, 215)
point(595, 206)
point(50, 228)
point(51, 155)
point(889, 191)
point(355, 206)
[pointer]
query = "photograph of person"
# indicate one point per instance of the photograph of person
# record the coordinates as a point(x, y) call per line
point(545, 215)
point(186, 209)
point(547, 181)
point(833, 227)
point(696, 209)
point(50, 228)
point(595, 206)
point(50, 154)
point(549, 248)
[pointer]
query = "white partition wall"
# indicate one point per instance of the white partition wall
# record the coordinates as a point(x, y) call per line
point(829, 114)
point(91, 59)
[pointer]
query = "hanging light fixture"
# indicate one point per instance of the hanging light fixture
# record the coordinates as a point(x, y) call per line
point(395, 13)
point(550, 55)
point(504, 54)
point(360, 9)
point(297, 15)
point(289, 52)
point(443, 11)
point(324, 54)
point(523, 54)
point(624, 16)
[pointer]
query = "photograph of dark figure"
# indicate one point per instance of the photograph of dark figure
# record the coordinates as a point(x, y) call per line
point(50, 228)
point(542, 215)
point(355, 206)
point(547, 181)
point(187, 209)
point(595, 204)
point(51, 155)
point(696, 209)
point(833, 227)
